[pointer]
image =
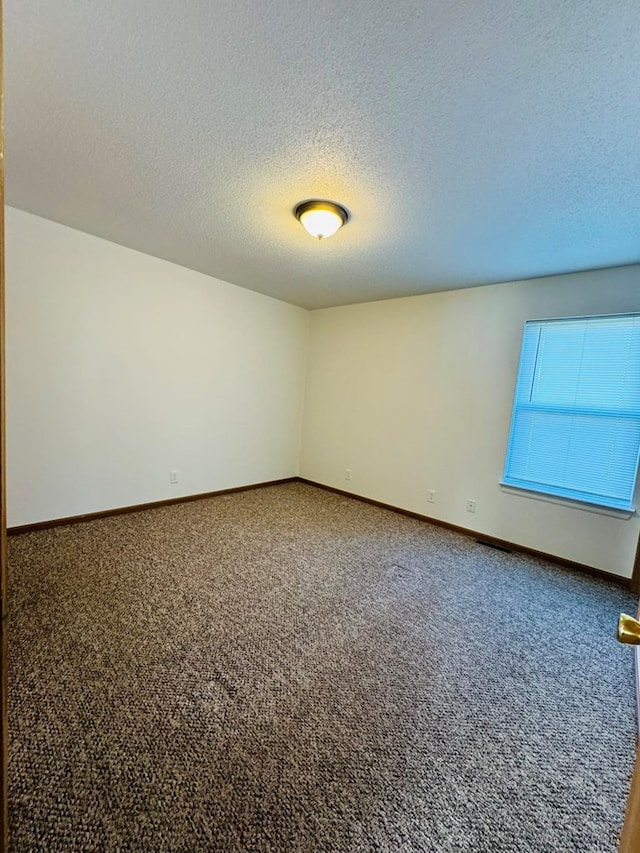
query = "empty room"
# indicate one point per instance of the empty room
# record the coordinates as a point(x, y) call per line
point(322, 426)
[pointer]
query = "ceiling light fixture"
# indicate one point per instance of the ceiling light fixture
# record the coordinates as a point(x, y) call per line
point(321, 218)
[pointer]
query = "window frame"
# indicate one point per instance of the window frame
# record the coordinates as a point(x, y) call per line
point(555, 494)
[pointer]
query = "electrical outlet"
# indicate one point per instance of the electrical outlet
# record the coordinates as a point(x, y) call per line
point(431, 496)
point(471, 505)
point(173, 477)
point(347, 473)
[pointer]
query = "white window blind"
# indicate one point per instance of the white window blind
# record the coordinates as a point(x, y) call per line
point(575, 428)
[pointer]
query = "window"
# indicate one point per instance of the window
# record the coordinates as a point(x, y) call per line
point(575, 428)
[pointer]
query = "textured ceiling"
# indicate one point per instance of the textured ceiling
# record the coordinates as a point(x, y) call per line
point(472, 141)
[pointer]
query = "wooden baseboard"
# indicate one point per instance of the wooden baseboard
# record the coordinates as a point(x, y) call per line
point(502, 544)
point(122, 510)
point(465, 531)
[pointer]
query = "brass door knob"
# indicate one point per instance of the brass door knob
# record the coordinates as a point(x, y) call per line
point(628, 630)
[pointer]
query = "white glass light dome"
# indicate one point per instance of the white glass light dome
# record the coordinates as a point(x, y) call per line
point(321, 219)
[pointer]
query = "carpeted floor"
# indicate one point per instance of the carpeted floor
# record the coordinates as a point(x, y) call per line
point(288, 670)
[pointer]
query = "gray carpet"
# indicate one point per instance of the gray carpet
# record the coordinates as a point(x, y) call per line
point(289, 670)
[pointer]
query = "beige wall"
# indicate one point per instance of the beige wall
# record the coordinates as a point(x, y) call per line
point(415, 394)
point(122, 367)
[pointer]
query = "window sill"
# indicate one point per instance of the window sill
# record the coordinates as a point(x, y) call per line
point(552, 499)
